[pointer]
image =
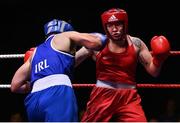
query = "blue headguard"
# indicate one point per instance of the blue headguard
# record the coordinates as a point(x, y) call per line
point(57, 26)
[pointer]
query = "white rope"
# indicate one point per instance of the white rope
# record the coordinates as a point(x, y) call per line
point(7, 56)
point(5, 85)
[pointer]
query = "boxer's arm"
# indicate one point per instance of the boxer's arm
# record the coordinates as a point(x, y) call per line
point(19, 83)
point(81, 55)
point(146, 58)
point(160, 51)
point(93, 41)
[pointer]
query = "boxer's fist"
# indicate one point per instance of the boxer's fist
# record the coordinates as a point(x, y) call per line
point(28, 53)
point(102, 37)
point(160, 49)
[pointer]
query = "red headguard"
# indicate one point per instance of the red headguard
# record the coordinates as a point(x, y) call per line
point(114, 15)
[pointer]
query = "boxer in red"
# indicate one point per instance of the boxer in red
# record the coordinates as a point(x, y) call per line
point(115, 97)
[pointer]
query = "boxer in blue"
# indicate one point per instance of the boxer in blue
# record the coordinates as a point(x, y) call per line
point(49, 67)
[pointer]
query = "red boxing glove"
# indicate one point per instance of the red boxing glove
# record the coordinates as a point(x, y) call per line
point(160, 49)
point(28, 53)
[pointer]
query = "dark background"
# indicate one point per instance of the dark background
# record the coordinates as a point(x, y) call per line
point(21, 27)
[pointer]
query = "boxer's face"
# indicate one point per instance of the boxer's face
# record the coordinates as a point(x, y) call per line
point(116, 30)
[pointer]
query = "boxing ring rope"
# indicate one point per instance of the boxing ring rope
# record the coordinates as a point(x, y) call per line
point(9, 56)
point(138, 85)
point(173, 53)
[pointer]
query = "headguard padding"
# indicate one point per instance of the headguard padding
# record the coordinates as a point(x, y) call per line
point(57, 26)
point(114, 15)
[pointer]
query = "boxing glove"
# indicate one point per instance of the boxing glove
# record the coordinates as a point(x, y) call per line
point(160, 49)
point(102, 37)
point(28, 53)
